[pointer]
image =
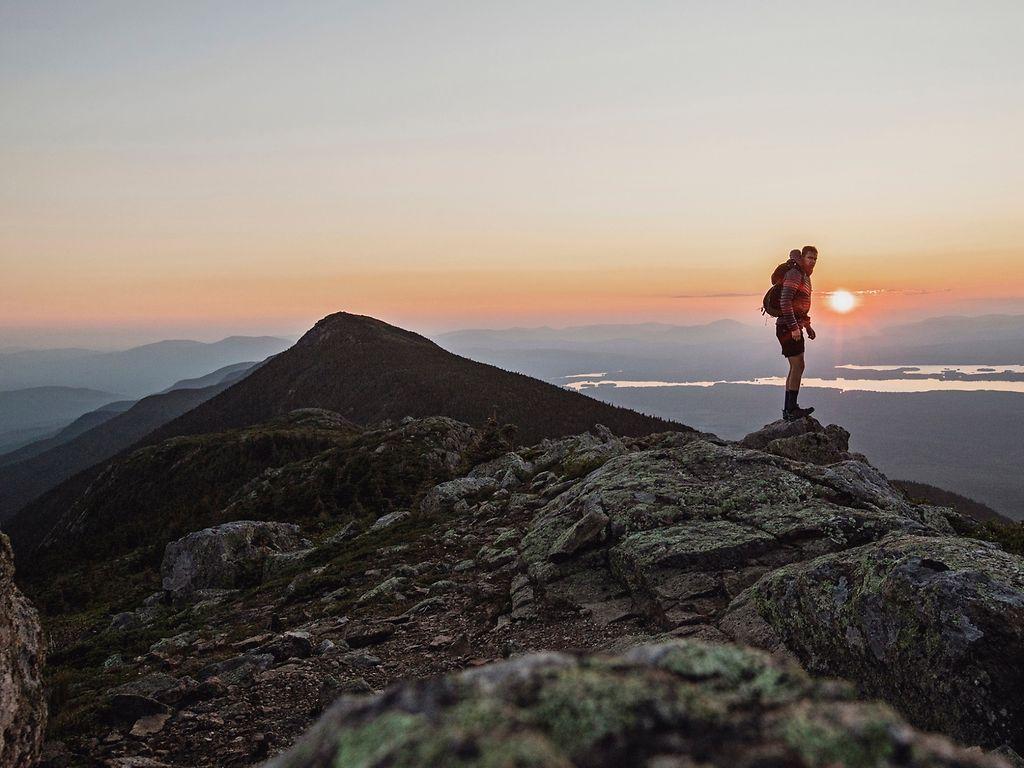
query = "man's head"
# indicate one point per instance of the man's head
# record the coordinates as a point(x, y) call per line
point(808, 258)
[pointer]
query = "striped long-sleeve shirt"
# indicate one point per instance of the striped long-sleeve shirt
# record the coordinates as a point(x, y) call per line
point(795, 301)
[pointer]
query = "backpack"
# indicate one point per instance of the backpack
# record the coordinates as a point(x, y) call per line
point(771, 304)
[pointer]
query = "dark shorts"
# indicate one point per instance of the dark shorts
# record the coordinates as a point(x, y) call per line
point(790, 346)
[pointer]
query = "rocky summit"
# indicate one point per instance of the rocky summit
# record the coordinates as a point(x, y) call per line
point(451, 597)
point(22, 701)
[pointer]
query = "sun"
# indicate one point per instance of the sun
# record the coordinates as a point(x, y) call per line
point(842, 301)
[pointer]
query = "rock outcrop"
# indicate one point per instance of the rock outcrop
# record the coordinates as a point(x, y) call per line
point(22, 701)
point(677, 704)
point(803, 440)
point(226, 556)
point(933, 625)
point(681, 528)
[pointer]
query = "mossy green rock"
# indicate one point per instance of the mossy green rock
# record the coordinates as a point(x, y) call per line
point(934, 625)
point(676, 704)
point(682, 529)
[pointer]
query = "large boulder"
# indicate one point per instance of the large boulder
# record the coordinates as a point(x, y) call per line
point(22, 702)
point(679, 531)
point(226, 556)
point(933, 625)
point(803, 440)
point(676, 704)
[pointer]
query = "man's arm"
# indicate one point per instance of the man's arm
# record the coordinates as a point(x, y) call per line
point(790, 284)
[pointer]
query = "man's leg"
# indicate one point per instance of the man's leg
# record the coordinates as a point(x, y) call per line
point(796, 372)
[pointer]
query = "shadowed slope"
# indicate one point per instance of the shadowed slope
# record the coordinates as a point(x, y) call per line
point(24, 481)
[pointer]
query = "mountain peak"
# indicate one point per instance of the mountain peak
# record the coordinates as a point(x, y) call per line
point(367, 371)
point(349, 328)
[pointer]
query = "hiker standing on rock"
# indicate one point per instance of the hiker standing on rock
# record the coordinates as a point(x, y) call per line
point(794, 309)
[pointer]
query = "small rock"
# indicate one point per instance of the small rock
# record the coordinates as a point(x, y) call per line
point(128, 707)
point(290, 645)
point(442, 586)
point(390, 519)
point(358, 660)
point(125, 621)
point(363, 634)
point(430, 605)
point(493, 558)
point(389, 589)
point(178, 642)
point(346, 532)
point(147, 726)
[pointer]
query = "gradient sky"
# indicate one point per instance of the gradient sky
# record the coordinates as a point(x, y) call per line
point(196, 169)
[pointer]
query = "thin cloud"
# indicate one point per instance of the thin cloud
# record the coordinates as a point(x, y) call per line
point(711, 295)
point(897, 291)
point(863, 292)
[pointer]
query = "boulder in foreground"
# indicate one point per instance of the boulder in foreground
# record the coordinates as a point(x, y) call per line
point(934, 625)
point(684, 703)
point(22, 702)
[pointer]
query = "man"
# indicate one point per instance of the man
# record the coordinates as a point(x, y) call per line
point(795, 303)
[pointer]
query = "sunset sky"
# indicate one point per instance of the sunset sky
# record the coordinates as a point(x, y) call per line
point(198, 169)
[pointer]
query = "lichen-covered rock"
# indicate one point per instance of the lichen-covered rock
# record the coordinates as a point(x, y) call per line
point(226, 556)
point(677, 704)
point(575, 456)
point(509, 470)
point(457, 494)
point(390, 519)
point(803, 440)
point(933, 625)
point(22, 701)
point(780, 430)
point(683, 529)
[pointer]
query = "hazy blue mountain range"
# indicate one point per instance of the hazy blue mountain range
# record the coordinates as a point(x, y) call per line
point(82, 424)
point(29, 414)
point(135, 372)
point(228, 373)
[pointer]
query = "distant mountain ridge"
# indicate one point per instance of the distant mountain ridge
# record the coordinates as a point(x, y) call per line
point(82, 424)
point(228, 373)
point(37, 412)
point(368, 371)
point(135, 372)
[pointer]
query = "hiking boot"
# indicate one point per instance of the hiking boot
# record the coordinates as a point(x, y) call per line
point(796, 413)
